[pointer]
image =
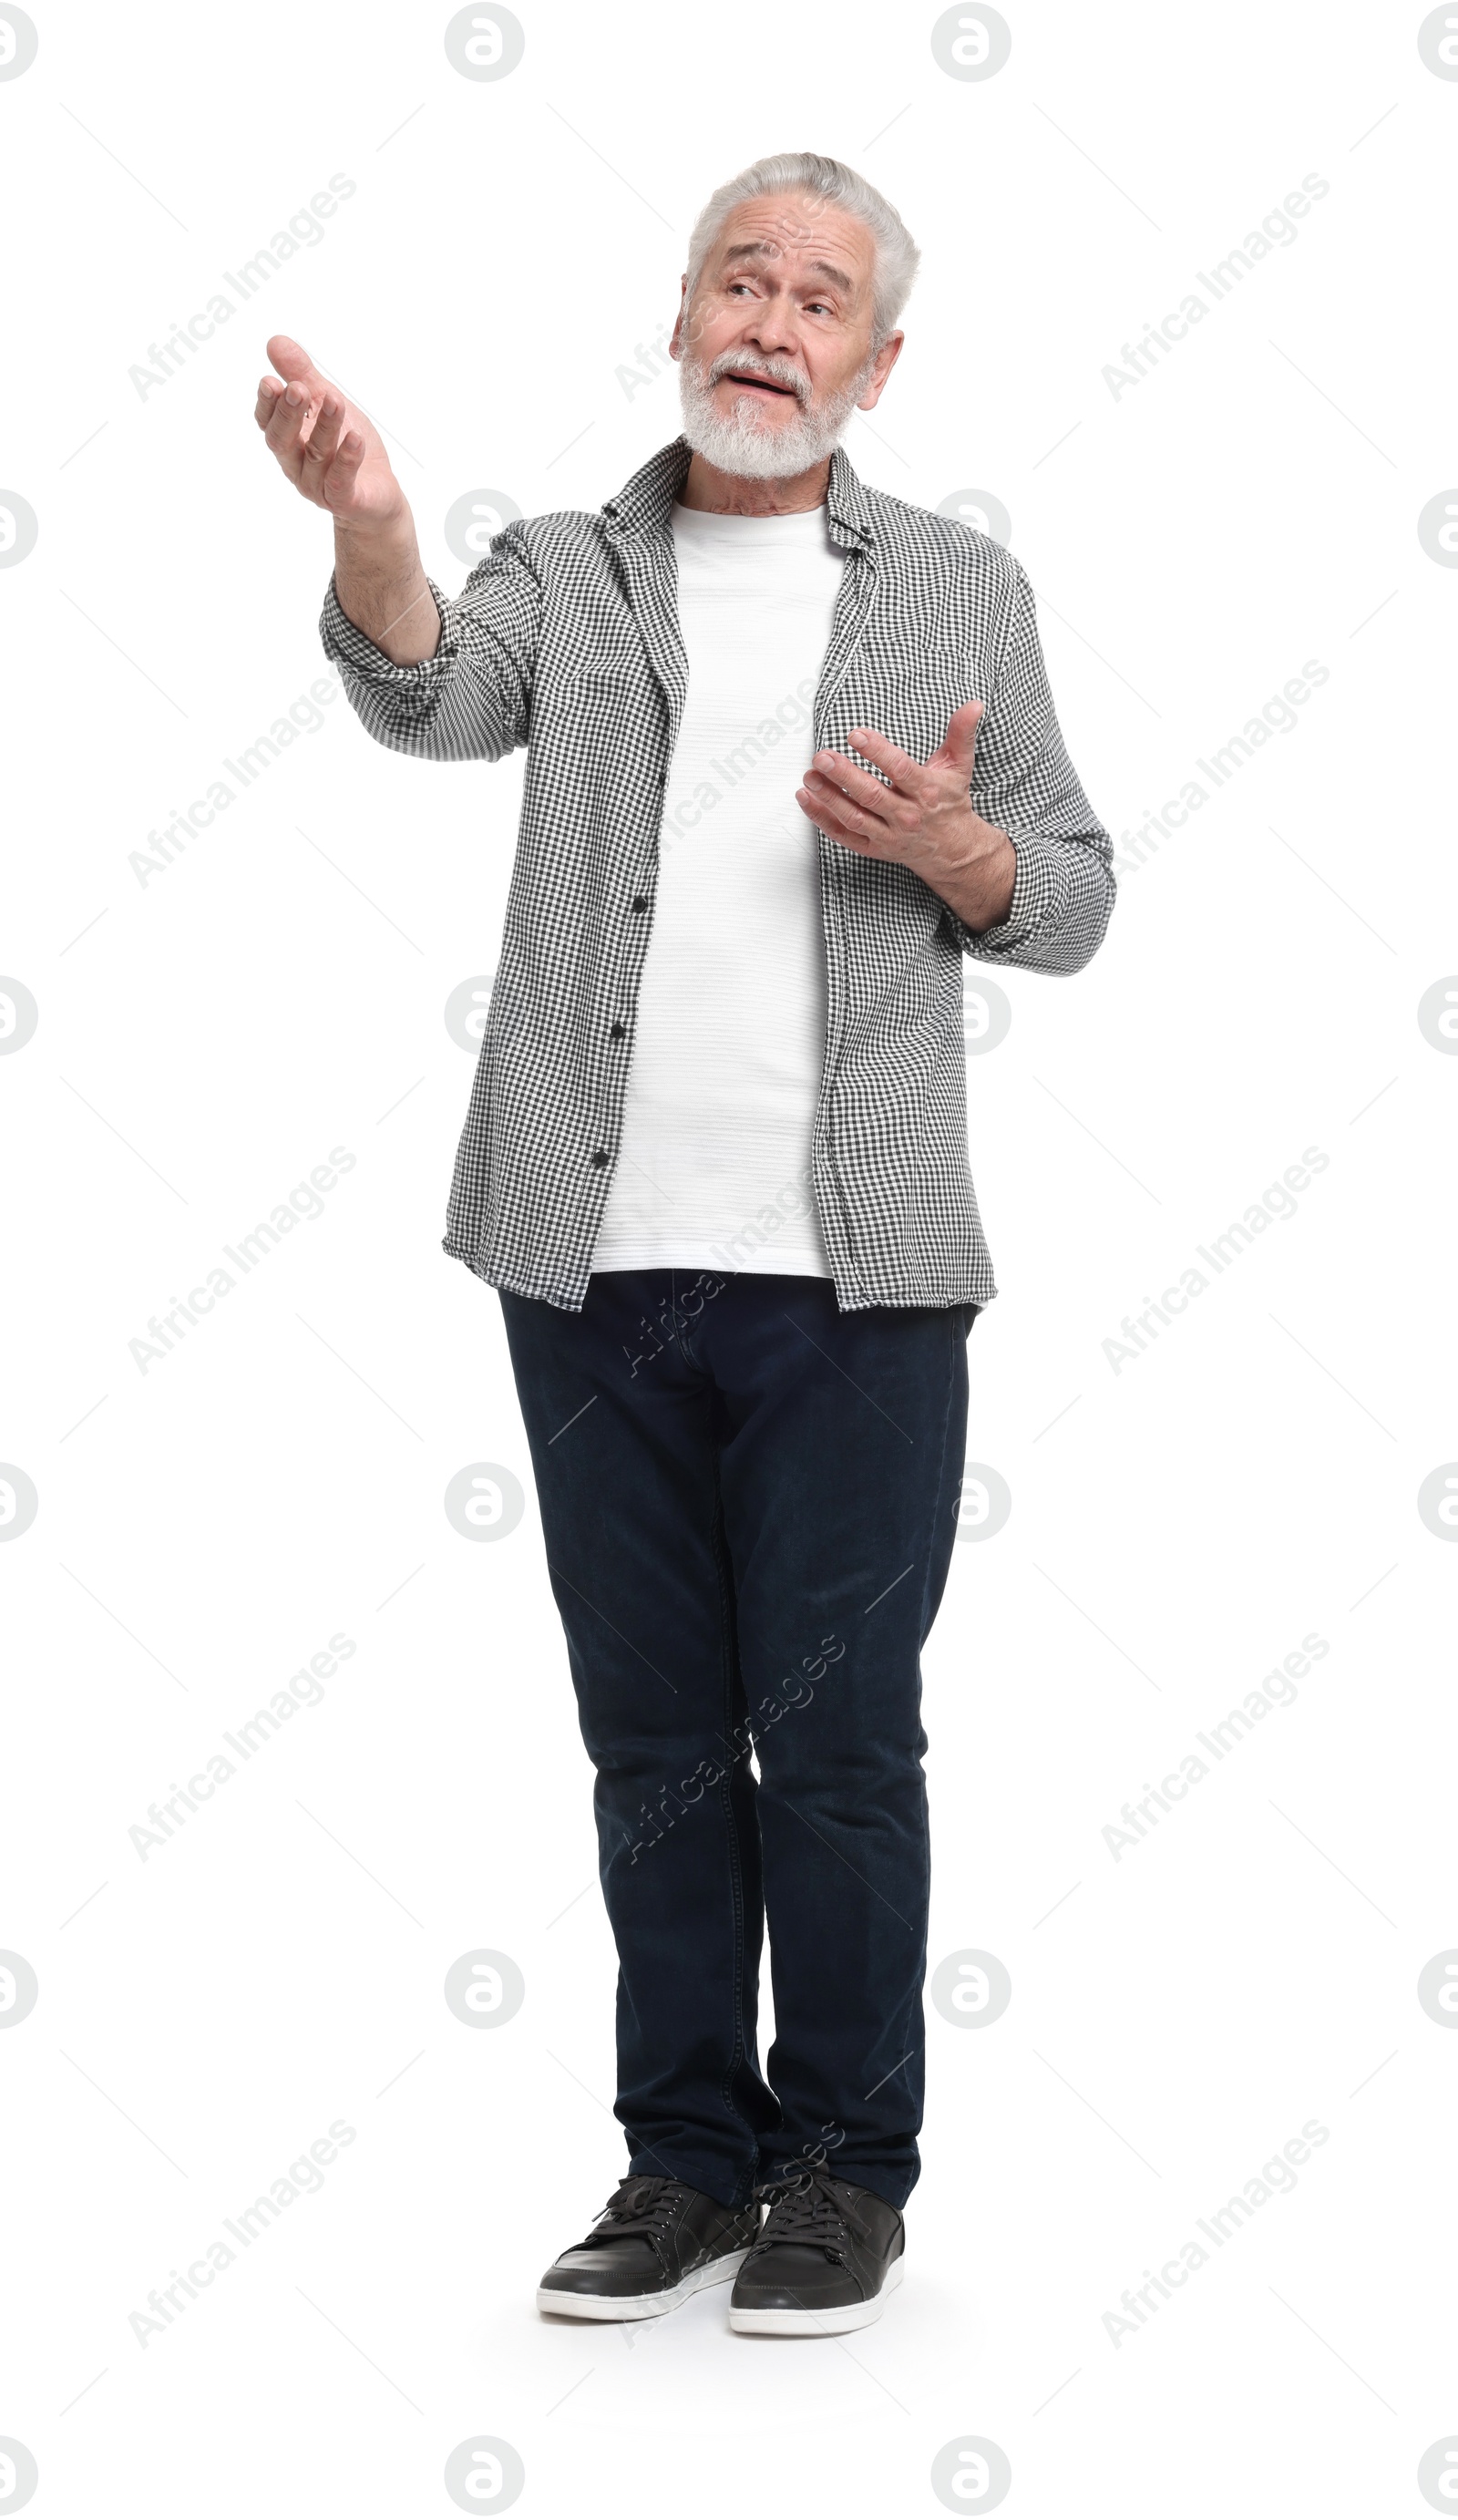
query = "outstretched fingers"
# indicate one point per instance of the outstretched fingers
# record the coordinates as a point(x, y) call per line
point(959, 745)
point(294, 364)
point(831, 775)
point(323, 437)
point(834, 814)
point(899, 766)
point(339, 477)
point(287, 429)
point(290, 403)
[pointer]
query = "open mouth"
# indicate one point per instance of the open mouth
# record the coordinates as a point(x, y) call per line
point(756, 384)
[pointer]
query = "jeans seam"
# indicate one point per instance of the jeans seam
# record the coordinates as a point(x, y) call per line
point(952, 1354)
point(915, 2000)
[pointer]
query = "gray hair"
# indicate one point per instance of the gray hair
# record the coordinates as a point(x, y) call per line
point(801, 171)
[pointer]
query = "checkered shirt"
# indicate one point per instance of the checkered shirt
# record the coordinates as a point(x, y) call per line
point(566, 639)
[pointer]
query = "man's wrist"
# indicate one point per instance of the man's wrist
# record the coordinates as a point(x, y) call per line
point(980, 887)
point(382, 548)
point(382, 587)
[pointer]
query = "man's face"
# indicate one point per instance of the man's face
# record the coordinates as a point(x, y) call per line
point(776, 341)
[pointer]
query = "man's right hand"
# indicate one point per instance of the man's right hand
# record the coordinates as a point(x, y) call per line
point(335, 459)
point(329, 451)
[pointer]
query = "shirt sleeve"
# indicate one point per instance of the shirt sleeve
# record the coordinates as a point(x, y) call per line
point(1023, 782)
point(471, 700)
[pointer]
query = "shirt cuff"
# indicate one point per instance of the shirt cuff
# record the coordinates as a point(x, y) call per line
point(348, 644)
point(1036, 886)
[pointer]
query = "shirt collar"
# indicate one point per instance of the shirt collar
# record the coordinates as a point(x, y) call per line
point(643, 505)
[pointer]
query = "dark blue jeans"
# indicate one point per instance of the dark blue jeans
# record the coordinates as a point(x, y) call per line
point(749, 1500)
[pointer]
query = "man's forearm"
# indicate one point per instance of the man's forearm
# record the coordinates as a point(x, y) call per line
point(383, 589)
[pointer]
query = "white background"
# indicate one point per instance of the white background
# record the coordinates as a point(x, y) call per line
point(208, 1036)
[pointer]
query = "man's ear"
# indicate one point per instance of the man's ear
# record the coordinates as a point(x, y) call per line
point(675, 344)
point(886, 358)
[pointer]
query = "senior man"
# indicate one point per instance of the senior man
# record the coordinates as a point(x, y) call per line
point(790, 755)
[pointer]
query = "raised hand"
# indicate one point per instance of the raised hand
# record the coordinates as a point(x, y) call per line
point(923, 819)
point(329, 451)
point(335, 459)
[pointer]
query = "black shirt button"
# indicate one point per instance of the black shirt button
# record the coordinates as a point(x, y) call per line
point(600, 1156)
point(640, 901)
point(617, 1032)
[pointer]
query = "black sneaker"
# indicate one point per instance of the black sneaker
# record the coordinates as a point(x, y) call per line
point(653, 2244)
point(828, 2256)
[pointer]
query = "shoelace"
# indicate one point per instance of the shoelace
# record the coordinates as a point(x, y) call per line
point(807, 2208)
point(643, 2208)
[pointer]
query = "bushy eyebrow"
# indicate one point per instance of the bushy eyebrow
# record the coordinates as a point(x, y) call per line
point(745, 252)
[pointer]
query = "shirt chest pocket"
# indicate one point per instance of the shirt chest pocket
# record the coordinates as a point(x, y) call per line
point(905, 694)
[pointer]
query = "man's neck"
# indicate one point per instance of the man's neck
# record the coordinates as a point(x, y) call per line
point(736, 494)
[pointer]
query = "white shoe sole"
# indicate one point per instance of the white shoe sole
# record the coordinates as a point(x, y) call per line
point(818, 2322)
point(657, 2305)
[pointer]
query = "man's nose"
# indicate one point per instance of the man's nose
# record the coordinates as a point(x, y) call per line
point(773, 328)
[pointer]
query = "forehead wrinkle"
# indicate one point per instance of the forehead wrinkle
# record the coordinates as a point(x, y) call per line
point(765, 245)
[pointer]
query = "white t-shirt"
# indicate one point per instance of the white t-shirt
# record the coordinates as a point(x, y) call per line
point(713, 1170)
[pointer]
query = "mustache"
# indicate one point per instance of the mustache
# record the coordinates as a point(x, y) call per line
point(777, 372)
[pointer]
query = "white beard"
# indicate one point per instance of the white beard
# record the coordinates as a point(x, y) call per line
point(746, 440)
